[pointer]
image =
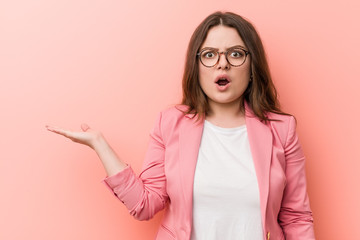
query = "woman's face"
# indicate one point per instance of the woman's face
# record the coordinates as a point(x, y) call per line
point(229, 91)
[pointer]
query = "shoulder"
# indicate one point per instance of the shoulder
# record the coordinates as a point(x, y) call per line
point(277, 120)
point(169, 122)
point(284, 127)
point(280, 119)
point(172, 117)
point(173, 113)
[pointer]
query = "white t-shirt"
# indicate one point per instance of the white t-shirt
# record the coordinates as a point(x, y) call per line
point(226, 202)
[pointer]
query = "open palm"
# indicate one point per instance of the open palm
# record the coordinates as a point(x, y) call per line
point(87, 136)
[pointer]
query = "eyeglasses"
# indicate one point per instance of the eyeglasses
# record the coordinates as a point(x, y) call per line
point(235, 56)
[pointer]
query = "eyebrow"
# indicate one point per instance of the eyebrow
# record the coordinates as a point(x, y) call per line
point(236, 46)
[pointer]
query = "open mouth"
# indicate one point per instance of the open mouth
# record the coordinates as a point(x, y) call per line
point(222, 81)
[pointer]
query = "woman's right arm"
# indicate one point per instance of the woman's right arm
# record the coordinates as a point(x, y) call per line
point(144, 195)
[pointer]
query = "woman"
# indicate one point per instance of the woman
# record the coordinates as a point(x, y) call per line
point(226, 163)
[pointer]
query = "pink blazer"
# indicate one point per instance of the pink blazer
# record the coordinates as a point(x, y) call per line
point(166, 180)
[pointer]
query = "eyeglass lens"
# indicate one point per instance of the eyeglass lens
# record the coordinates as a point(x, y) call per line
point(210, 57)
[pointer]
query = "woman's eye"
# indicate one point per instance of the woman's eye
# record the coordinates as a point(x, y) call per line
point(236, 54)
point(209, 54)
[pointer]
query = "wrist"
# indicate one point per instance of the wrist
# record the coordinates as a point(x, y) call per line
point(99, 142)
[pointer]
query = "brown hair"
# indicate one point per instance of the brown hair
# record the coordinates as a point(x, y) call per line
point(260, 94)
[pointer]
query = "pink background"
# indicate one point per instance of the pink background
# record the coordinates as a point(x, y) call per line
point(116, 64)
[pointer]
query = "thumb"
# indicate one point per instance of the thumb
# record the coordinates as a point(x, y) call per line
point(85, 127)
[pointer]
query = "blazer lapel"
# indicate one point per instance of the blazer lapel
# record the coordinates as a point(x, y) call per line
point(260, 140)
point(189, 142)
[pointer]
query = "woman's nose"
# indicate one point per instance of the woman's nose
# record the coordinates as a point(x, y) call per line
point(223, 63)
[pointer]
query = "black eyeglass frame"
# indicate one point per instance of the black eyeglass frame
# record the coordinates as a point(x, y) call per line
point(226, 56)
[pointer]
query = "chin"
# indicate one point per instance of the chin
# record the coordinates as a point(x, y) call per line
point(227, 101)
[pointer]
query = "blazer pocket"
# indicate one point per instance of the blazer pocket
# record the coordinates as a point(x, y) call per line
point(165, 233)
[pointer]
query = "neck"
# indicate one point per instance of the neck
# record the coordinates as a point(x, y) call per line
point(226, 115)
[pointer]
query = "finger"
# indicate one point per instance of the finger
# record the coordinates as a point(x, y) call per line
point(85, 127)
point(52, 128)
point(58, 130)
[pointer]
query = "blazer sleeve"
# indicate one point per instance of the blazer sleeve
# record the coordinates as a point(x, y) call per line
point(295, 215)
point(146, 194)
